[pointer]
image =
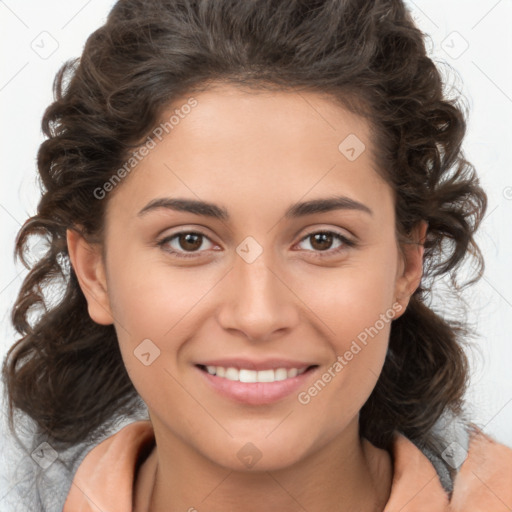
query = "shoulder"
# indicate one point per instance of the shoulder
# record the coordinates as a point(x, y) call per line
point(105, 478)
point(39, 471)
point(484, 480)
point(462, 469)
point(448, 446)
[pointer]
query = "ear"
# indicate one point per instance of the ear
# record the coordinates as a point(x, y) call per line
point(87, 262)
point(410, 269)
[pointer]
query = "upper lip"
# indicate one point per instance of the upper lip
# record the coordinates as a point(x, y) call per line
point(251, 364)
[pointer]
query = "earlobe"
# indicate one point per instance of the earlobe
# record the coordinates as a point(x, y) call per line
point(87, 263)
point(411, 268)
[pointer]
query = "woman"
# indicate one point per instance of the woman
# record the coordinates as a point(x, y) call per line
point(249, 203)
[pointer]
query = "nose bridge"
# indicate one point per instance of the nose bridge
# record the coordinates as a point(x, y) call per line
point(257, 301)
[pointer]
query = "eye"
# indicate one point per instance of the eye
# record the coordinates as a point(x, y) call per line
point(181, 243)
point(323, 240)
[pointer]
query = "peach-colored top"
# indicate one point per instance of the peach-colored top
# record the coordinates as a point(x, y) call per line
point(112, 471)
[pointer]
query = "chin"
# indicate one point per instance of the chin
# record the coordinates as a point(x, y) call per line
point(256, 456)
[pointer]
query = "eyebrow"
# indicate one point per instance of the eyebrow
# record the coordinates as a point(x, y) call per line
point(217, 212)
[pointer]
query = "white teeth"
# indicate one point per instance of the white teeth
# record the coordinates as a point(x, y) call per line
point(281, 374)
point(248, 376)
point(266, 376)
point(245, 375)
point(232, 374)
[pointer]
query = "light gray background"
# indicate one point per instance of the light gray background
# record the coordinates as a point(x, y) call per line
point(472, 37)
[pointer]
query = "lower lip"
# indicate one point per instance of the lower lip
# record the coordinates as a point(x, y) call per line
point(256, 393)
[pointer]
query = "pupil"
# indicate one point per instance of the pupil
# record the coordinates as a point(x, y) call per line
point(322, 238)
point(189, 240)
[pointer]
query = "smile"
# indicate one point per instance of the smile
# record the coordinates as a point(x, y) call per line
point(246, 375)
point(262, 386)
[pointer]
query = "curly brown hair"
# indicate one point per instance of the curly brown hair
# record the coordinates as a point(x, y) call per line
point(66, 371)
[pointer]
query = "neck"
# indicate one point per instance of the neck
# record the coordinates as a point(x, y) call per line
point(359, 478)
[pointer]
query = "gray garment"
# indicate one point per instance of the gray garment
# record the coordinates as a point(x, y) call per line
point(35, 488)
point(39, 475)
point(449, 447)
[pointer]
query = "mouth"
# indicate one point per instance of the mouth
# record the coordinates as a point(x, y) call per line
point(251, 376)
point(255, 387)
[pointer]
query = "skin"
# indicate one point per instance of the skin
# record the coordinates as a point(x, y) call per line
point(255, 154)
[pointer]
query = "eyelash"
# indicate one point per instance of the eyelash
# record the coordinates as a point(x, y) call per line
point(347, 243)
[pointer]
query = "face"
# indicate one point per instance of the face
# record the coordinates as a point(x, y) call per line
point(256, 282)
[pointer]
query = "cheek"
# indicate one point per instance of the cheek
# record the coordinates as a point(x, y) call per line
point(356, 309)
point(149, 299)
point(148, 310)
point(352, 298)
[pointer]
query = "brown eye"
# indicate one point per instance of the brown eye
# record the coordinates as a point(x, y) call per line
point(182, 243)
point(190, 241)
point(322, 242)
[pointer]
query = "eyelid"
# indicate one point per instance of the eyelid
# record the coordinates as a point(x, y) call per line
point(308, 231)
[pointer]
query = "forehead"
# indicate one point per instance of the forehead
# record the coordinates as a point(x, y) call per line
point(268, 145)
point(293, 116)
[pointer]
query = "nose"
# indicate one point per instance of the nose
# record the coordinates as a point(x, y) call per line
point(258, 300)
